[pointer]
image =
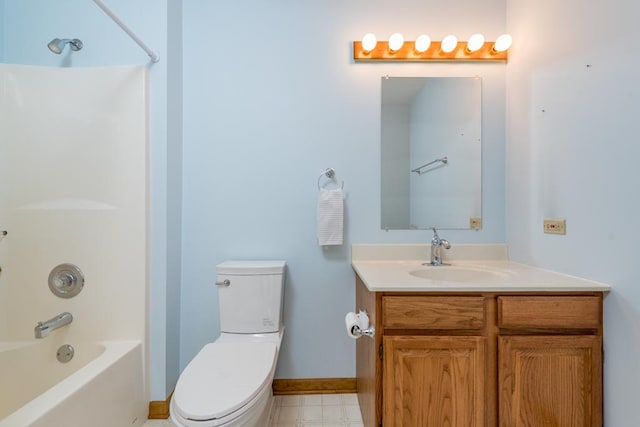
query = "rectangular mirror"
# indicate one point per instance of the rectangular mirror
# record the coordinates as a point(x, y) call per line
point(431, 152)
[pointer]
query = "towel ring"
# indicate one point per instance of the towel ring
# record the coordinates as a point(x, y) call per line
point(329, 173)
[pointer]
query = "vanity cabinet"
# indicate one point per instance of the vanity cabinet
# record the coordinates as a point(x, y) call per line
point(480, 359)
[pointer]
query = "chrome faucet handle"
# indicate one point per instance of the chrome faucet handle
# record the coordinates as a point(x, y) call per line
point(438, 241)
point(436, 249)
point(436, 238)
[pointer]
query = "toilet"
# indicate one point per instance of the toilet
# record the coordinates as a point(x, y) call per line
point(228, 383)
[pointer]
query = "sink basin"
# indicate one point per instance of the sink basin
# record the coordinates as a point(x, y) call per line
point(448, 273)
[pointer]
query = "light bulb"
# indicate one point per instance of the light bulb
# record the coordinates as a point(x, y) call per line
point(395, 42)
point(502, 43)
point(422, 43)
point(475, 42)
point(449, 43)
point(369, 42)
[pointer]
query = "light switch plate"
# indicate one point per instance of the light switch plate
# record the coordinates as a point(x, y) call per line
point(555, 226)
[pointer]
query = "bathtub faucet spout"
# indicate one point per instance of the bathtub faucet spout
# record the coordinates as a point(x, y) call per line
point(42, 329)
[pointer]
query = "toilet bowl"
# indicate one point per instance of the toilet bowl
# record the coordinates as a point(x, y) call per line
point(228, 383)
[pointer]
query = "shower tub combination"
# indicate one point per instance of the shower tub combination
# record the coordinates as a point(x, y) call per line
point(73, 161)
point(102, 386)
point(92, 214)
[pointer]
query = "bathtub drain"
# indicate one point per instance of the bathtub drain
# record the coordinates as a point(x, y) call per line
point(65, 353)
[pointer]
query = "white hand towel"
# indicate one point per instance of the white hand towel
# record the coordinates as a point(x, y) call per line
point(330, 217)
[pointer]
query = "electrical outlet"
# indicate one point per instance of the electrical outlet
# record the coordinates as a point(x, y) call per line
point(475, 223)
point(555, 226)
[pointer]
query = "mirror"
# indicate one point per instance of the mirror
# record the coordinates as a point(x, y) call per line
point(431, 153)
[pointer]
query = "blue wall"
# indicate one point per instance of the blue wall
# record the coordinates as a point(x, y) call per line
point(2, 30)
point(264, 116)
point(174, 201)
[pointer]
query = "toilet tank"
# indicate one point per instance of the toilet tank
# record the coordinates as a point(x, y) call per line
point(252, 302)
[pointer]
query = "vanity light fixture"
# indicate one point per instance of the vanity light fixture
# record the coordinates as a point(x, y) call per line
point(423, 49)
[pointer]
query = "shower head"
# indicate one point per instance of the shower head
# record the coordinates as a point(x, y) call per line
point(57, 45)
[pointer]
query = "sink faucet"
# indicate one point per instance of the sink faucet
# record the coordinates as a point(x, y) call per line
point(436, 248)
point(42, 329)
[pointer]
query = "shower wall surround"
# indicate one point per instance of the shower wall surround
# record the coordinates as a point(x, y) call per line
point(74, 189)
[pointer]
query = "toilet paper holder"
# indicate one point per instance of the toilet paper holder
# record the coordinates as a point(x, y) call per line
point(363, 328)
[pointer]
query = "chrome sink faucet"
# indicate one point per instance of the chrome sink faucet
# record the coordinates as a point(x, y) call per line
point(42, 329)
point(436, 248)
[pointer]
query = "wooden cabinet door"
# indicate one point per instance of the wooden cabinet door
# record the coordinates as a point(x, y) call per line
point(550, 381)
point(433, 381)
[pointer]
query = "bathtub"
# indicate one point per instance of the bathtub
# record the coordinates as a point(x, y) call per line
point(102, 386)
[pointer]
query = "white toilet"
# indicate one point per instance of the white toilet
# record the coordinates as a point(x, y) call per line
point(228, 383)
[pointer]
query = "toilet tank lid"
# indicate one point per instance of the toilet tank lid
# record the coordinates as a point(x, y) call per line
point(251, 267)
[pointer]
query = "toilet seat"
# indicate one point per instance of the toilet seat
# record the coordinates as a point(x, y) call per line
point(223, 379)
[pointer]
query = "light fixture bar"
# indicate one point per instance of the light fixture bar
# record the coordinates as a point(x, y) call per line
point(407, 53)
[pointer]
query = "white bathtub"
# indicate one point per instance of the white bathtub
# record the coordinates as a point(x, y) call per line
point(102, 386)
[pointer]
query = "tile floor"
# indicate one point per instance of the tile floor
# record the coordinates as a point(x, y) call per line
point(326, 410)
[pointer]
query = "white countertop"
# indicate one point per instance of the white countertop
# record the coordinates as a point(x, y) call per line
point(387, 268)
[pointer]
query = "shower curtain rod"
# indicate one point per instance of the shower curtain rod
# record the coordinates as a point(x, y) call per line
point(154, 56)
